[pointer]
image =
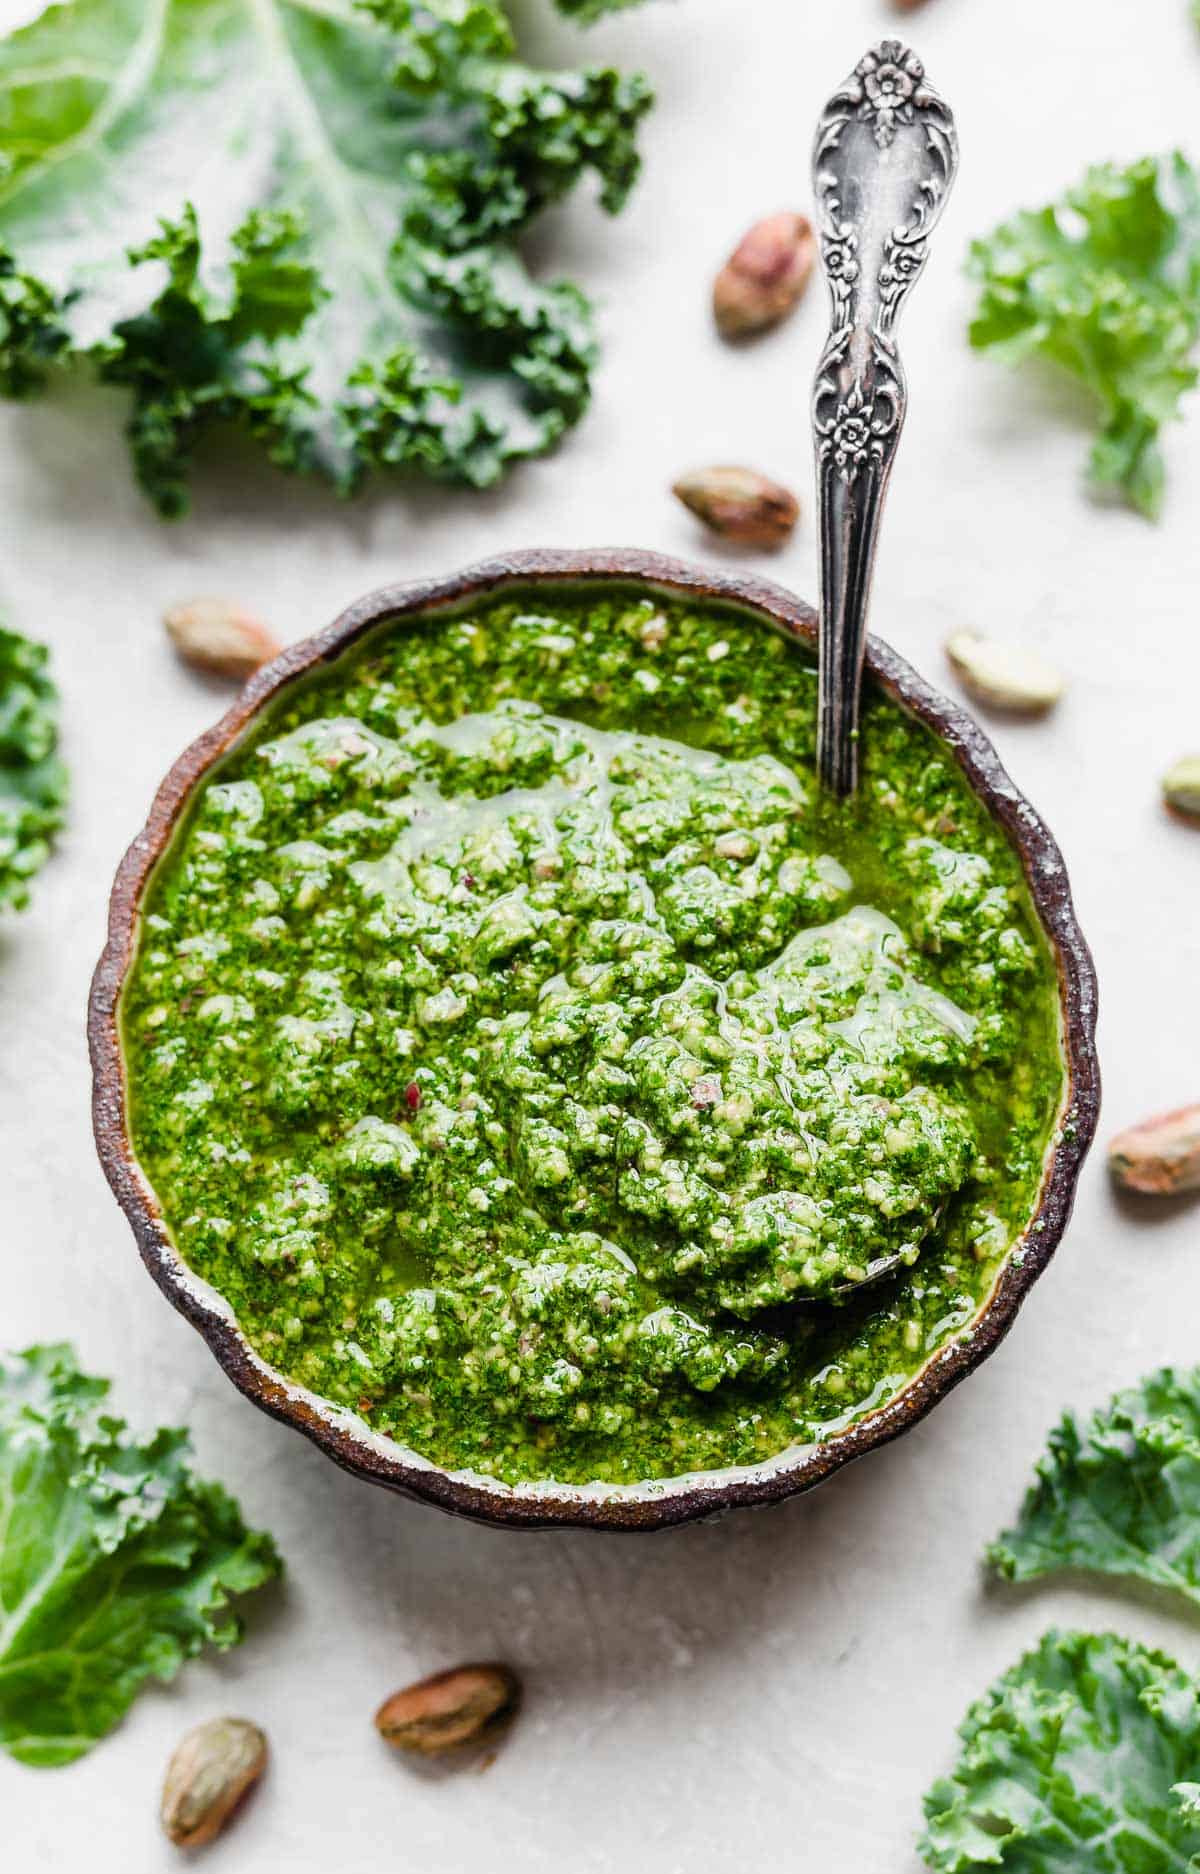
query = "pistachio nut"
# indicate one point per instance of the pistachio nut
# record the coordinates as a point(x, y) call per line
point(210, 1772)
point(740, 505)
point(1003, 675)
point(764, 276)
point(1181, 787)
point(1161, 1156)
point(449, 1709)
point(218, 636)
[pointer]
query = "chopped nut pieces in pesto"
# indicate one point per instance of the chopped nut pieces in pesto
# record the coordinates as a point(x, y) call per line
point(517, 1037)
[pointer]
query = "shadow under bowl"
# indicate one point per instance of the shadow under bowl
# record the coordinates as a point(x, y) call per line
point(659, 1503)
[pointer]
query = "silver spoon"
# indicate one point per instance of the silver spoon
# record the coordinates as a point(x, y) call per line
point(885, 157)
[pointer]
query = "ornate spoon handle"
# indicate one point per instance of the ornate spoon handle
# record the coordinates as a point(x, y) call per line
point(885, 157)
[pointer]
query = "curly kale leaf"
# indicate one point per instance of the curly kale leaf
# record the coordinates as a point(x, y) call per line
point(1106, 283)
point(116, 1563)
point(1119, 1495)
point(33, 781)
point(587, 12)
point(298, 218)
point(1079, 1758)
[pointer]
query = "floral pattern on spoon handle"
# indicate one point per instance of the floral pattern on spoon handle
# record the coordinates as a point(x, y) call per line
point(885, 157)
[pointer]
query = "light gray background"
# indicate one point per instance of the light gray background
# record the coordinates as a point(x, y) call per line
point(778, 1690)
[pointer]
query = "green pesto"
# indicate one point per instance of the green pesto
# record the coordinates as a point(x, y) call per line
point(541, 1067)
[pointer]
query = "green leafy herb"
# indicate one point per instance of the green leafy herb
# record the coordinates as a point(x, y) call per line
point(116, 1564)
point(1106, 283)
point(298, 217)
point(33, 781)
point(589, 11)
point(1119, 1495)
point(1079, 1759)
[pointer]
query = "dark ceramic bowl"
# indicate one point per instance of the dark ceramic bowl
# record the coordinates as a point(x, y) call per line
point(658, 1503)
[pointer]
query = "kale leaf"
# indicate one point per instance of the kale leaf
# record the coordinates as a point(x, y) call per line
point(116, 1564)
point(589, 11)
point(1119, 1495)
point(299, 219)
point(33, 781)
point(1106, 283)
point(1078, 1758)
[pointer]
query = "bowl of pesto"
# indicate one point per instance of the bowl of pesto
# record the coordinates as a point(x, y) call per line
point(540, 1094)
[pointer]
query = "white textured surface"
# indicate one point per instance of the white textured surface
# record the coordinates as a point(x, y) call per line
point(776, 1691)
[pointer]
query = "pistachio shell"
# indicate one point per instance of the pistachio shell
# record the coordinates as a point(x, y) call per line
point(764, 276)
point(218, 636)
point(449, 1708)
point(1006, 676)
point(1160, 1157)
point(210, 1772)
point(1181, 786)
point(740, 505)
